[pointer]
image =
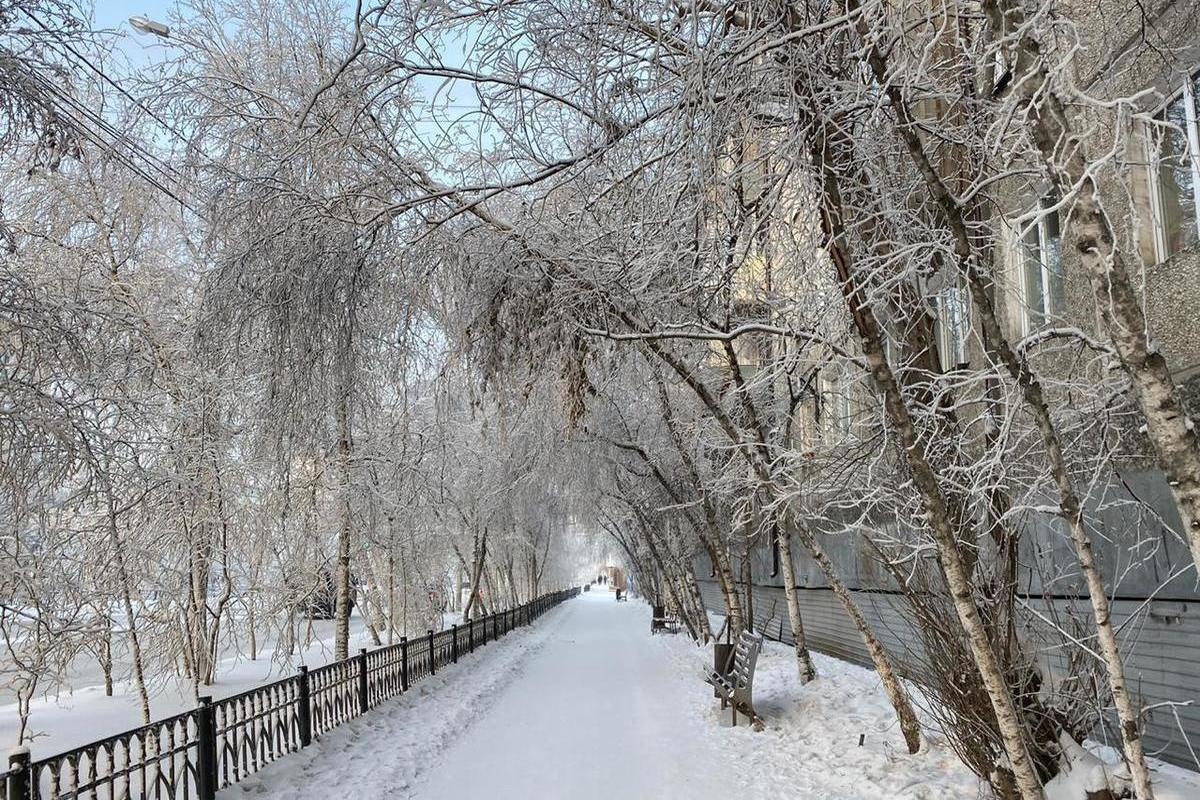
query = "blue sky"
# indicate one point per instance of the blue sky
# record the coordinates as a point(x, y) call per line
point(110, 13)
point(135, 50)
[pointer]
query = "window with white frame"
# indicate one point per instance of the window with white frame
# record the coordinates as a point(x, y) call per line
point(1041, 273)
point(1177, 172)
point(954, 323)
point(836, 405)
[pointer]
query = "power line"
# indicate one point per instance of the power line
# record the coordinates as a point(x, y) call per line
point(95, 129)
point(103, 76)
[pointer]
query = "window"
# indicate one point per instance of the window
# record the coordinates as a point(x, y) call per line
point(774, 551)
point(1041, 267)
point(836, 405)
point(954, 323)
point(1178, 173)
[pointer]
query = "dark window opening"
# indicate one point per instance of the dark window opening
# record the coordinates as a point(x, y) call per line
point(774, 553)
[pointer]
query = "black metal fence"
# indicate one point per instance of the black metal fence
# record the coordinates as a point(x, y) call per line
point(218, 743)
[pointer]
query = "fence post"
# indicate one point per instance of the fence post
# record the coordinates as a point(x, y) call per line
point(364, 699)
point(404, 663)
point(17, 782)
point(206, 750)
point(454, 643)
point(432, 655)
point(304, 710)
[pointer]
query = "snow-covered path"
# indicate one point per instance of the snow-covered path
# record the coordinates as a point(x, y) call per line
point(586, 704)
point(581, 704)
point(596, 713)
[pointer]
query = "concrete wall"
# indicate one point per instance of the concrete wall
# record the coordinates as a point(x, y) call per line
point(1126, 50)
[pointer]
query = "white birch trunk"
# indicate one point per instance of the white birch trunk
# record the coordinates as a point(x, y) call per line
point(804, 662)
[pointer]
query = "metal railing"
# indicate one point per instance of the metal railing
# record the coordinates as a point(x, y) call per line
point(219, 743)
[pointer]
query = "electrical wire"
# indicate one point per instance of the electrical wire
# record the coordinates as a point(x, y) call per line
point(103, 76)
point(94, 128)
point(99, 132)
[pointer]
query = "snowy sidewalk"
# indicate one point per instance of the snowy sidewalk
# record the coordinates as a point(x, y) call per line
point(579, 705)
point(598, 713)
point(585, 704)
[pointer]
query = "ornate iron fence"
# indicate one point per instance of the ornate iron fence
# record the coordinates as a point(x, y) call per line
point(218, 743)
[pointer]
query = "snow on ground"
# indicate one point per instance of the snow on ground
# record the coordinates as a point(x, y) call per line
point(381, 754)
point(597, 712)
point(586, 704)
point(82, 713)
point(847, 699)
point(810, 745)
point(1094, 768)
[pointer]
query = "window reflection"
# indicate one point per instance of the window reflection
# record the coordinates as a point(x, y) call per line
point(1176, 180)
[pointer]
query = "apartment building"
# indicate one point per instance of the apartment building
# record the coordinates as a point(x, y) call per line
point(1151, 54)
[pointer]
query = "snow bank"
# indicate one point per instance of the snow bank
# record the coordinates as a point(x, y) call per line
point(810, 747)
point(80, 712)
point(816, 728)
point(1095, 768)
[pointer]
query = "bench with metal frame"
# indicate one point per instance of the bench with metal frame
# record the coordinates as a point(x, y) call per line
point(660, 621)
point(735, 686)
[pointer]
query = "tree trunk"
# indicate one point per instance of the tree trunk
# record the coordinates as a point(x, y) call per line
point(1070, 507)
point(1071, 510)
point(804, 662)
point(391, 593)
point(941, 525)
point(1090, 233)
point(747, 576)
point(106, 656)
point(910, 727)
point(135, 645)
point(341, 646)
point(728, 584)
point(684, 590)
point(474, 598)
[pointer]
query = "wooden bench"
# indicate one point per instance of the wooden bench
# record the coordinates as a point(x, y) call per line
point(661, 621)
point(735, 686)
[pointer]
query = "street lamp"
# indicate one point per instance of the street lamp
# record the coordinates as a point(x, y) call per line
point(147, 25)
